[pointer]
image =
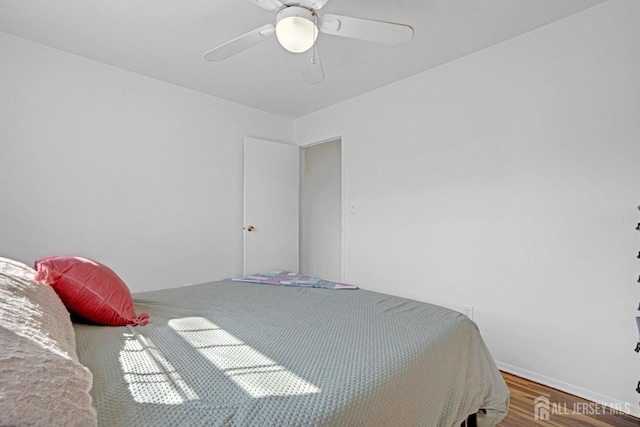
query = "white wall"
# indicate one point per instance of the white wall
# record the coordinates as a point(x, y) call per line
point(509, 180)
point(141, 175)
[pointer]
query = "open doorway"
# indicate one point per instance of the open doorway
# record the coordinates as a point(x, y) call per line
point(321, 210)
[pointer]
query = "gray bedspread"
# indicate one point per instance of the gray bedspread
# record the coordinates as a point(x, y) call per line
point(232, 353)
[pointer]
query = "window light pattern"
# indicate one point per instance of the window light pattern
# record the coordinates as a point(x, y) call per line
point(150, 376)
point(255, 373)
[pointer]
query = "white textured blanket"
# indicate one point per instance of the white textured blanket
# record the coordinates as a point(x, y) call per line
point(42, 383)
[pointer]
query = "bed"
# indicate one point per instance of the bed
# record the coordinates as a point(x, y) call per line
point(246, 354)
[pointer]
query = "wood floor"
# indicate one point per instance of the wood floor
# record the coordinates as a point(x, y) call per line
point(564, 410)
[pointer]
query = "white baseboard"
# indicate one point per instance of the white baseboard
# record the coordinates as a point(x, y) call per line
point(631, 408)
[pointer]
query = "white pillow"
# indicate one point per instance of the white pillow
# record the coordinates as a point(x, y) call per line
point(42, 383)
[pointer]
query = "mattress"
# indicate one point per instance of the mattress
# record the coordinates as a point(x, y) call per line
point(244, 354)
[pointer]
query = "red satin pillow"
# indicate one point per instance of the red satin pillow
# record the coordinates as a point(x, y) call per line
point(90, 290)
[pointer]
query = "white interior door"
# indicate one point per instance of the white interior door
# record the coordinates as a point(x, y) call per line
point(271, 206)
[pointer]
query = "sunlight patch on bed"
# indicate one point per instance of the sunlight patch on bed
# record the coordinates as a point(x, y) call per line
point(251, 370)
point(151, 377)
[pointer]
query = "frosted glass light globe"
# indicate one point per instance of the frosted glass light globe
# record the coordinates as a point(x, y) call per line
point(295, 29)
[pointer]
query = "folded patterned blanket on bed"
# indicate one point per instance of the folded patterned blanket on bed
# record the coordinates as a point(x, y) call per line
point(286, 278)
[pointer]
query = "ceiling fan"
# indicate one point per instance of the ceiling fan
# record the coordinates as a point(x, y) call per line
point(297, 25)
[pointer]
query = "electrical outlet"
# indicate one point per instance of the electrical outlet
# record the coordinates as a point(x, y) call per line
point(467, 310)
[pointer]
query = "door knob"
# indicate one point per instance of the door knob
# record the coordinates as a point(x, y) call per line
point(250, 228)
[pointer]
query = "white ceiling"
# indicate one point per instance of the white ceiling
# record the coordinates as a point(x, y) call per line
point(165, 39)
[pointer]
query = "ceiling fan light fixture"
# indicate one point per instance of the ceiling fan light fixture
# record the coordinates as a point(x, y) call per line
point(295, 29)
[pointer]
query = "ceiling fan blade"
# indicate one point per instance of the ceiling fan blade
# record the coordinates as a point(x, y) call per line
point(312, 67)
point(366, 29)
point(313, 4)
point(241, 43)
point(267, 4)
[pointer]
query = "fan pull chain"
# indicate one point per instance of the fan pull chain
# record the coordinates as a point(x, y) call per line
point(314, 52)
